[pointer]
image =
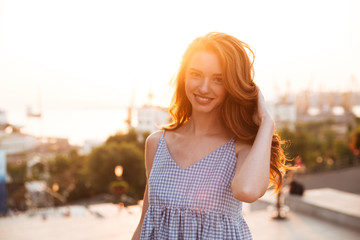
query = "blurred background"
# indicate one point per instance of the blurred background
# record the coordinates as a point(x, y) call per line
point(83, 83)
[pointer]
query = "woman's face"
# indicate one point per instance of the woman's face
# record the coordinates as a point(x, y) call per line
point(204, 82)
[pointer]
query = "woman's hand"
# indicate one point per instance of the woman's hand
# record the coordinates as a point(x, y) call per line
point(262, 113)
point(252, 173)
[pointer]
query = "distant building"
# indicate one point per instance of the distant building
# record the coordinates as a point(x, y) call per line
point(3, 120)
point(284, 114)
point(12, 141)
point(327, 103)
point(16, 142)
point(150, 118)
point(309, 106)
point(7, 127)
point(20, 147)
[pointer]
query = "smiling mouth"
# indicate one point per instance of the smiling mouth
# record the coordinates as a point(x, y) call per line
point(203, 99)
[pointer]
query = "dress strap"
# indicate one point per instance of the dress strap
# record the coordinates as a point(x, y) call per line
point(163, 133)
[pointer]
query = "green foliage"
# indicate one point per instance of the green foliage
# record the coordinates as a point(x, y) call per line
point(80, 177)
point(37, 171)
point(16, 196)
point(101, 163)
point(67, 172)
point(355, 140)
point(342, 151)
point(119, 187)
point(17, 172)
point(130, 137)
point(16, 189)
point(318, 145)
point(59, 164)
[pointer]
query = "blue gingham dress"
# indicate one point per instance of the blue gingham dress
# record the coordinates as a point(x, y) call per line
point(195, 202)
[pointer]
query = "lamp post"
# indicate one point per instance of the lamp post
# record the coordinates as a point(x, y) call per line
point(119, 188)
point(55, 187)
point(279, 207)
point(118, 171)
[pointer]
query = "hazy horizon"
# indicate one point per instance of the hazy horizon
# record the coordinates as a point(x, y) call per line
point(94, 54)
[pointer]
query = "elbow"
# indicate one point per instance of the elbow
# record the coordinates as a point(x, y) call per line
point(247, 195)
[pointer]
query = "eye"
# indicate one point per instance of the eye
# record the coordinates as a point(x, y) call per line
point(195, 74)
point(218, 80)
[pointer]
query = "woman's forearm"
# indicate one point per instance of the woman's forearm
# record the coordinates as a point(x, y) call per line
point(253, 167)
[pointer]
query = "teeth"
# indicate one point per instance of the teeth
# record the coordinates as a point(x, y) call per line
point(203, 99)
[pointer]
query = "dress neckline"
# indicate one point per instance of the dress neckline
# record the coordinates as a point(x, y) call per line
point(200, 160)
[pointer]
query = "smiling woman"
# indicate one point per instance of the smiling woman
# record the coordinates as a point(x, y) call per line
point(203, 83)
point(218, 151)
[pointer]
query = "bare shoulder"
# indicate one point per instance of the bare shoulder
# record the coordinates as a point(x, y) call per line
point(153, 138)
point(150, 149)
point(242, 149)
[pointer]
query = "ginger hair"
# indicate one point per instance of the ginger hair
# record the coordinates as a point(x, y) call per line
point(240, 104)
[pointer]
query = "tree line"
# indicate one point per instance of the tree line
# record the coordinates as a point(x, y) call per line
point(320, 146)
point(80, 177)
point(317, 144)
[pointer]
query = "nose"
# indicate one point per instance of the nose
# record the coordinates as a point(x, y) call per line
point(204, 85)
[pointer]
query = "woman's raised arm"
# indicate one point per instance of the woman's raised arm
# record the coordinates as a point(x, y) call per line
point(251, 178)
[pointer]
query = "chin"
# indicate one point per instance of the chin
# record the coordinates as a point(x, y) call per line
point(206, 109)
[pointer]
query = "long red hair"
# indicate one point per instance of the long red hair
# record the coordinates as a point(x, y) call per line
point(240, 104)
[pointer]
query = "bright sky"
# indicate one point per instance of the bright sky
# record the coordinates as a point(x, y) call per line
point(81, 53)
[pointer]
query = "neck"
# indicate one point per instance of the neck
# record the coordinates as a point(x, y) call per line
point(201, 124)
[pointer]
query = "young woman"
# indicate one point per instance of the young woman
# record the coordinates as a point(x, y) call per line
point(219, 150)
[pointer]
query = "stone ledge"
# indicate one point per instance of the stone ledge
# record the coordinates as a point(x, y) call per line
point(324, 203)
point(328, 204)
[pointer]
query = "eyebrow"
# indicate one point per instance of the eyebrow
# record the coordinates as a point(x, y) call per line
point(196, 70)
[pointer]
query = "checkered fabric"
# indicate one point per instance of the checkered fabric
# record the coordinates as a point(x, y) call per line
point(195, 202)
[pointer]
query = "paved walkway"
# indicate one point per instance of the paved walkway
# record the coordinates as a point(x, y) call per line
point(106, 222)
point(296, 227)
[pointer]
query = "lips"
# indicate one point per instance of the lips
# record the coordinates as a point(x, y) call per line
point(203, 100)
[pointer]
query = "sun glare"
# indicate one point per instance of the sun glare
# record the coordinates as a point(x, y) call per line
point(103, 54)
point(98, 46)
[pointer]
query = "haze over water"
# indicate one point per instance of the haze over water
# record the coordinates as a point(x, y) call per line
point(76, 125)
point(71, 58)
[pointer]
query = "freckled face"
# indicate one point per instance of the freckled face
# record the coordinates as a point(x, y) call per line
point(204, 82)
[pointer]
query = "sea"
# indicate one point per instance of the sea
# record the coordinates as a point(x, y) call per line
point(77, 125)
